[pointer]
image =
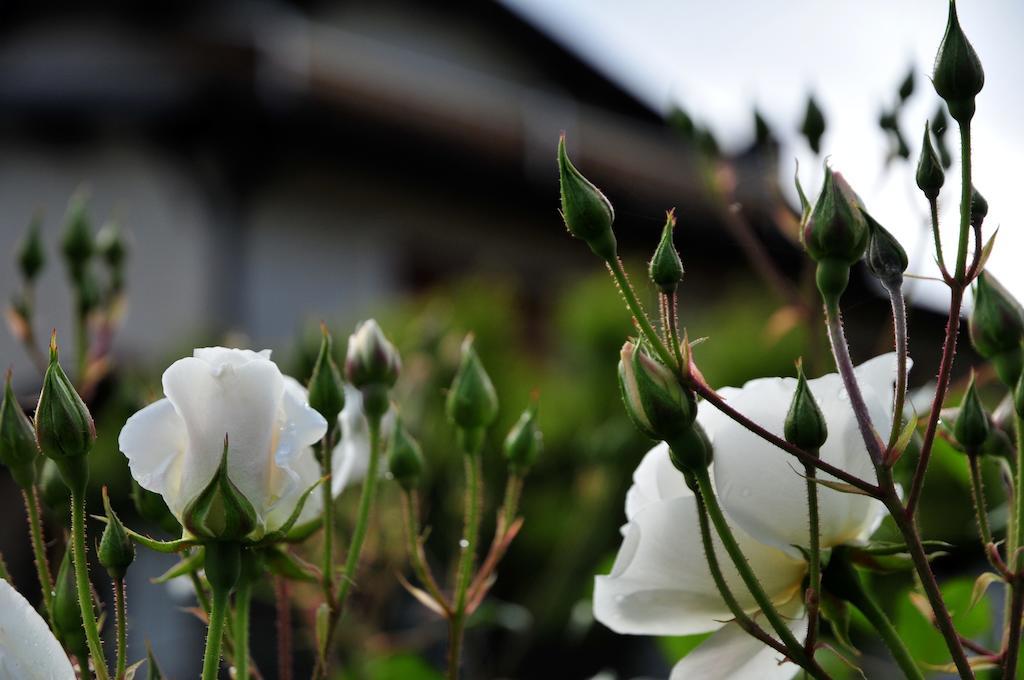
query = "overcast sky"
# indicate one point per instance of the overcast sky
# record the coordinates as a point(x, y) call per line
point(720, 59)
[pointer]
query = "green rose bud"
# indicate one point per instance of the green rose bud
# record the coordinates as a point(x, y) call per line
point(666, 269)
point(836, 234)
point(64, 428)
point(930, 176)
point(67, 615)
point(116, 552)
point(18, 450)
point(587, 213)
point(220, 512)
point(372, 365)
point(958, 76)
point(54, 492)
point(971, 427)
point(326, 390)
point(405, 458)
point(472, 403)
point(907, 86)
point(111, 246)
point(805, 423)
point(31, 254)
point(979, 208)
point(690, 450)
point(813, 127)
point(77, 244)
point(885, 256)
point(997, 327)
point(524, 442)
point(655, 401)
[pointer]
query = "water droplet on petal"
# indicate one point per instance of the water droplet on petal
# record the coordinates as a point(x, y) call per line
point(463, 544)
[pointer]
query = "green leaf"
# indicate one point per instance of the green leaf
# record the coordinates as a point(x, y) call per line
point(981, 585)
point(188, 565)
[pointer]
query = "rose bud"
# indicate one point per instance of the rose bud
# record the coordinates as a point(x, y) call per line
point(836, 234)
point(813, 127)
point(805, 423)
point(18, 450)
point(971, 427)
point(372, 365)
point(588, 215)
point(524, 442)
point(655, 401)
point(979, 208)
point(958, 76)
point(930, 176)
point(885, 256)
point(31, 254)
point(472, 403)
point(116, 552)
point(405, 458)
point(666, 269)
point(326, 389)
point(220, 512)
point(77, 243)
point(997, 327)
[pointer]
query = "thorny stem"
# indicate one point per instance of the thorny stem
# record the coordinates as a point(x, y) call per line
point(214, 633)
point(941, 386)
point(637, 310)
point(742, 618)
point(814, 563)
point(282, 603)
point(92, 633)
point(978, 496)
point(467, 555)
point(1011, 651)
point(327, 563)
point(899, 322)
point(796, 650)
point(672, 324)
point(903, 518)
point(243, 596)
point(417, 557)
point(35, 527)
point(121, 624)
point(715, 400)
point(1011, 639)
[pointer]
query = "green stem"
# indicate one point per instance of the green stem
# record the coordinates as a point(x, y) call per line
point(966, 189)
point(899, 321)
point(214, 633)
point(467, 557)
point(739, 560)
point(121, 623)
point(933, 206)
point(81, 346)
point(978, 496)
point(637, 310)
point(880, 622)
point(510, 506)
point(814, 561)
point(363, 518)
point(327, 564)
point(742, 618)
point(1018, 500)
point(243, 595)
point(1012, 649)
point(35, 527)
point(92, 633)
point(418, 560)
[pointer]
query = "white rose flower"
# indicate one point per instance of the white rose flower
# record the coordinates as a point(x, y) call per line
point(174, 445)
point(28, 650)
point(660, 583)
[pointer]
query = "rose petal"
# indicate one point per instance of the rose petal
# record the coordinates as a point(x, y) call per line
point(28, 650)
point(155, 441)
point(655, 479)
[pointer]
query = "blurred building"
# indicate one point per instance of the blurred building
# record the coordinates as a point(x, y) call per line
point(276, 163)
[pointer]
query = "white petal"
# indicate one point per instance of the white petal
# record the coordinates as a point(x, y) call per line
point(295, 466)
point(217, 356)
point(759, 485)
point(351, 457)
point(28, 650)
point(155, 440)
point(655, 479)
point(732, 654)
point(660, 584)
point(241, 401)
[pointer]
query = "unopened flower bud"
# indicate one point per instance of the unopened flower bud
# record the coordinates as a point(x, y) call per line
point(116, 552)
point(958, 76)
point(524, 441)
point(836, 234)
point(885, 256)
point(997, 327)
point(666, 269)
point(655, 401)
point(110, 245)
point(930, 176)
point(971, 427)
point(53, 491)
point(472, 403)
point(907, 86)
point(690, 450)
point(405, 457)
point(979, 208)
point(77, 244)
point(64, 428)
point(18, 450)
point(587, 213)
point(762, 131)
point(67, 615)
point(326, 389)
point(220, 512)
point(31, 254)
point(372, 365)
point(813, 127)
point(805, 423)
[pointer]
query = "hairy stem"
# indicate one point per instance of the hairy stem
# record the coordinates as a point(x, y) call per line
point(417, 558)
point(978, 496)
point(282, 603)
point(35, 528)
point(121, 625)
point(966, 189)
point(814, 562)
point(92, 633)
point(880, 622)
point(510, 505)
point(1012, 649)
point(327, 561)
point(243, 596)
point(467, 557)
point(214, 633)
point(899, 322)
point(637, 310)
